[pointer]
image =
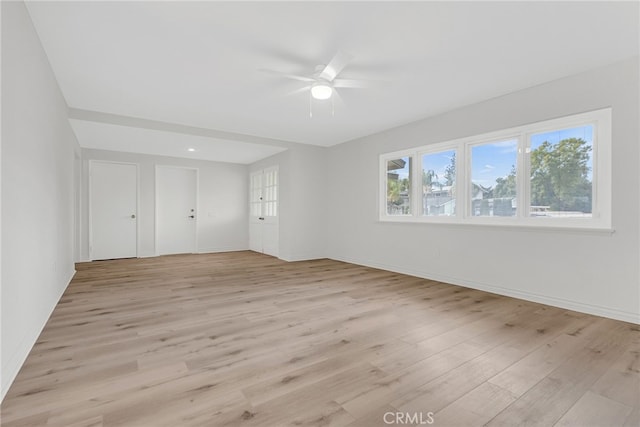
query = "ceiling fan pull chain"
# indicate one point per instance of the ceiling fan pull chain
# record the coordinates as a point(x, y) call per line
point(333, 106)
point(310, 106)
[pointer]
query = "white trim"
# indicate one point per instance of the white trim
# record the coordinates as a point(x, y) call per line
point(601, 192)
point(302, 257)
point(514, 226)
point(596, 310)
point(90, 223)
point(155, 206)
point(77, 206)
point(220, 249)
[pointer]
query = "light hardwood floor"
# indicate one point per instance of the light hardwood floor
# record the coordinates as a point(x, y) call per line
point(245, 339)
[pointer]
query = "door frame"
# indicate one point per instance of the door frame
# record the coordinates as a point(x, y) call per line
point(77, 207)
point(155, 203)
point(91, 163)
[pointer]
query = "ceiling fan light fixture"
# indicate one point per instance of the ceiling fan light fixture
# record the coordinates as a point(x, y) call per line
point(321, 91)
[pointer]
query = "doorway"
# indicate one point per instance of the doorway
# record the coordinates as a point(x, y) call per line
point(176, 210)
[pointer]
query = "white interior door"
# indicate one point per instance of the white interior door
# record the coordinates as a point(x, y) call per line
point(176, 204)
point(263, 222)
point(113, 205)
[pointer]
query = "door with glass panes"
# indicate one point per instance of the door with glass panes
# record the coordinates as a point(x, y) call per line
point(263, 215)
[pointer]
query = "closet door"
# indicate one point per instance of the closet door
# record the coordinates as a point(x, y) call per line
point(176, 210)
point(113, 202)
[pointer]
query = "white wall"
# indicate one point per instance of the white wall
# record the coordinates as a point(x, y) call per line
point(37, 190)
point(303, 201)
point(307, 228)
point(592, 272)
point(222, 201)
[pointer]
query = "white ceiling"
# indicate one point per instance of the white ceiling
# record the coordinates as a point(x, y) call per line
point(197, 63)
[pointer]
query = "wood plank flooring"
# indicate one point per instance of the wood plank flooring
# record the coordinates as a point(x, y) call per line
point(243, 339)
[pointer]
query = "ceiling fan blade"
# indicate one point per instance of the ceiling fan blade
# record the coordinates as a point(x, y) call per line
point(338, 100)
point(297, 91)
point(348, 83)
point(288, 76)
point(333, 68)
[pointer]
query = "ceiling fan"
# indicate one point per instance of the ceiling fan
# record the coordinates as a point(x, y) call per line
point(322, 84)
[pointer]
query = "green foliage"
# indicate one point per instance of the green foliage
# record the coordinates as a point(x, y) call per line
point(560, 175)
point(404, 185)
point(393, 191)
point(395, 187)
point(450, 171)
point(506, 187)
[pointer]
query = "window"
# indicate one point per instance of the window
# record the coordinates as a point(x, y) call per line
point(270, 192)
point(492, 190)
point(399, 186)
point(256, 195)
point(263, 193)
point(555, 173)
point(561, 173)
point(439, 183)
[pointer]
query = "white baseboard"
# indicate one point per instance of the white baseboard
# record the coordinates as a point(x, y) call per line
point(596, 310)
point(12, 366)
point(202, 251)
point(301, 257)
point(222, 249)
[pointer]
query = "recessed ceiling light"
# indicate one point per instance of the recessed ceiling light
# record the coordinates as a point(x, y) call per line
point(191, 149)
point(321, 90)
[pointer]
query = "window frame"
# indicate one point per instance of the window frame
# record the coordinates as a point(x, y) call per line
point(383, 184)
point(601, 176)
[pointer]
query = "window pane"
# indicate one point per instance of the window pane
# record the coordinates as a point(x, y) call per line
point(255, 209)
point(493, 178)
point(439, 183)
point(562, 173)
point(399, 186)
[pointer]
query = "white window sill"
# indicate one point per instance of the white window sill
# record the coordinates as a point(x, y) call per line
point(501, 223)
